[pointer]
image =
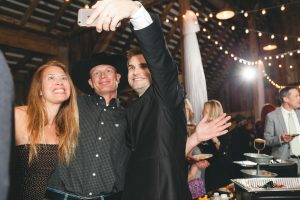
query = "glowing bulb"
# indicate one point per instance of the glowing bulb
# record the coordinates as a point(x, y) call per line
point(167, 20)
point(266, 58)
point(298, 39)
point(291, 66)
point(220, 23)
point(282, 8)
point(259, 34)
point(247, 31)
point(291, 53)
point(245, 14)
point(280, 66)
point(233, 28)
point(263, 11)
point(270, 64)
point(210, 15)
point(226, 52)
point(183, 16)
point(221, 48)
point(272, 36)
point(206, 19)
point(197, 14)
point(235, 58)
point(298, 51)
point(277, 57)
point(216, 42)
point(204, 29)
point(282, 56)
point(208, 37)
point(232, 55)
point(285, 38)
point(175, 19)
point(86, 6)
point(270, 57)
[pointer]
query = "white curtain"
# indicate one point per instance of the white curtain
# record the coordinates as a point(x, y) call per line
point(195, 83)
point(260, 91)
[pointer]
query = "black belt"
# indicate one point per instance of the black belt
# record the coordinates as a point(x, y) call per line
point(52, 195)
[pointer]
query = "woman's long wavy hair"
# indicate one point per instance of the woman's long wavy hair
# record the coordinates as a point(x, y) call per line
point(66, 119)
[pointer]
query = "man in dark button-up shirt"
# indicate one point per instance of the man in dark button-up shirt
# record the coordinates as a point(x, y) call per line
point(99, 163)
point(156, 121)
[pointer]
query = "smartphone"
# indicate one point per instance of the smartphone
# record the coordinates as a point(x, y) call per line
point(294, 135)
point(83, 15)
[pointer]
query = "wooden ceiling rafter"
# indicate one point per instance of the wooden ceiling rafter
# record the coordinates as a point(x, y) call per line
point(58, 15)
point(28, 13)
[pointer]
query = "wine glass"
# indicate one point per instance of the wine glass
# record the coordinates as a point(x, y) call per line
point(259, 144)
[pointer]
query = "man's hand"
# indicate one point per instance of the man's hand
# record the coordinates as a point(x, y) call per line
point(109, 13)
point(286, 137)
point(207, 130)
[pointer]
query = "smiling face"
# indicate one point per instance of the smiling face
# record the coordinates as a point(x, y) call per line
point(55, 85)
point(139, 77)
point(104, 80)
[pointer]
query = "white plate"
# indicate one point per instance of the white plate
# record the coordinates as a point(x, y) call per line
point(201, 156)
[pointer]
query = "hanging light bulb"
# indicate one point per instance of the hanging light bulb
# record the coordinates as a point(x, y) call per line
point(204, 29)
point(167, 21)
point(175, 19)
point(266, 58)
point(291, 66)
point(282, 56)
point(282, 8)
point(232, 55)
point(233, 28)
point(291, 53)
point(226, 52)
point(197, 14)
point(259, 34)
point(279, 65)
point(270, 64)
point(221, 48)
point(272, 36)
point(285, 38)
point(209, 37)
point(245, 14)
point(298, 39)
point(263, 11)
point(216, 42)
point(86, 6)
point(247, 31)
point(225, 14)
point(298, 51)
point(206, 19)
point(277, 57)
point(270, 57)
point(210, 15)
point(220, 23)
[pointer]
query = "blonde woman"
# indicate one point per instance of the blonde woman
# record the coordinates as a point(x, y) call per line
point(218, 146)
point(46, 130)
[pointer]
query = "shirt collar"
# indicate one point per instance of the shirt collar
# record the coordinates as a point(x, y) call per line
point(99, 100)
point(285, 111)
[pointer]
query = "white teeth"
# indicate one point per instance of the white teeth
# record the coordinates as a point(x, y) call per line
point(59, 90)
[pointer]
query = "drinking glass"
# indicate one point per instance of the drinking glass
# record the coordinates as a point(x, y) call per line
point(259, 144)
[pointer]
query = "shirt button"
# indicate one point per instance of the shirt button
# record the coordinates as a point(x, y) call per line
point(102, 123)
point(94, 174)
point(97, 155)
point(90, 194)
point(99, 138)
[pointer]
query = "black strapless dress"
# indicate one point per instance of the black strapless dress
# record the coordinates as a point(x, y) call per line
point(31, 180)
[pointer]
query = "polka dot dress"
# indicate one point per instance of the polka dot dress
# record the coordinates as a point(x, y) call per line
point(32, 179)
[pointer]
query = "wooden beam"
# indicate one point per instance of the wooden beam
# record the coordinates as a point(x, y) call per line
point(102, 44)
point(172, 32)
point(58, 15)
point(166, 11)
point(29, 11)
point(25, 40)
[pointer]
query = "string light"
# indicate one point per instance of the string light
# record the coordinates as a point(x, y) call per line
point(233, 28)
point(197, 14)
point(282, 8)
point(291, 66)
point(245, 14)
point(211, 15)
point(298, 39)
point(175, 19)
point(247, 31)
point(206, 19)
point(272, 36)
point(220, 23)
point(263, 11)
point(259, 34)
point(167, 20)
point(285, 38)
point(86, 6)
